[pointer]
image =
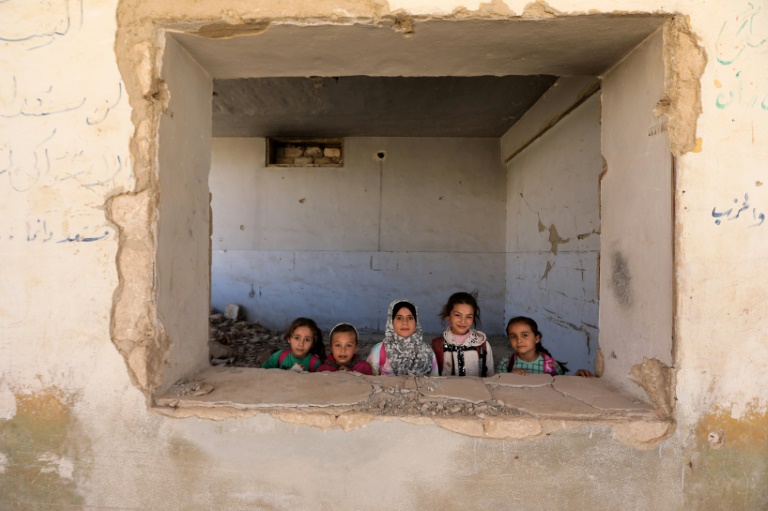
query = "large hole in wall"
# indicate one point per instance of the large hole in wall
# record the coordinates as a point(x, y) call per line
point(569, 203)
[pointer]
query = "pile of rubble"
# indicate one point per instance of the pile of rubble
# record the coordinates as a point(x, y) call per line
point(236, 342)
point(399, 401)
point(233, 341)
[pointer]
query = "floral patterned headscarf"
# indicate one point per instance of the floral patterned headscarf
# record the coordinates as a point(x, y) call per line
point(407, 355)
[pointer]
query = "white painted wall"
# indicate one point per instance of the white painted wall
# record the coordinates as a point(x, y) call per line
point(636, 277)
point(308, 241)
point(553, 233)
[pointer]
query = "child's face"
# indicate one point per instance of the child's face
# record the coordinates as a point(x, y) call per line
point(523, 341)
point(301, 341)
point(343, 347)
point(404, 323)
point(461, 318)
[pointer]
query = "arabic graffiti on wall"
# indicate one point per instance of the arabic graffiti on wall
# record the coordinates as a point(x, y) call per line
point(742, 35)
point(734, 212)
point(62, 148)
point(40, 231)
point(32, 32)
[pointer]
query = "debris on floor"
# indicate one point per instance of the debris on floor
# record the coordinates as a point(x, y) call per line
point(237, 342)
point(191, 388)
point(233, 341)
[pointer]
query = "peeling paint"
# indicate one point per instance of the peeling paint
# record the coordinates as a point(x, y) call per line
point(555, 239)
point(547, 270)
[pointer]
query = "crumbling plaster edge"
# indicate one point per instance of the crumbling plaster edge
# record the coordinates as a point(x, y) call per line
point(642, 434)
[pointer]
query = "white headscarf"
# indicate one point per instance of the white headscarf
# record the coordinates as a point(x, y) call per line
point(407, 355)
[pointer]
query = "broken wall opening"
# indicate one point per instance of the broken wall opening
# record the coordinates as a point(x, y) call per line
point(182, 365)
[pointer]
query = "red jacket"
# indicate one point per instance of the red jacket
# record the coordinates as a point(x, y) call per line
point(357, 364)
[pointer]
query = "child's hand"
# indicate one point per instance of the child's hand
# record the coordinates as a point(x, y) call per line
point(584, 373)
point(520, 371)
point(297, 368)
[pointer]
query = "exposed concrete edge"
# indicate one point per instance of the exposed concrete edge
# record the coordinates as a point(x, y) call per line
point(561, 99)
point(684, 62)
point(641, 433)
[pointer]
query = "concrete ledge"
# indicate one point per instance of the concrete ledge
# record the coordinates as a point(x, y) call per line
point(503, 407)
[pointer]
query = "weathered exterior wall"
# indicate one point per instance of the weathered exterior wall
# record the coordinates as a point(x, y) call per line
point(77, 161)
point(553, 234)
point(289, 242)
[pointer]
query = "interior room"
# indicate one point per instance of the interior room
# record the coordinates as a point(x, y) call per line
point(507, 163)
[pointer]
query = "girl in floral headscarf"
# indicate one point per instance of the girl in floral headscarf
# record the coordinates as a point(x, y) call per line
point(403, 351)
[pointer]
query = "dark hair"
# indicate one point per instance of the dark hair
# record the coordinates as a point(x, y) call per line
point(318, 348)
point(535, 329)
point(343, 328)
point(462, 297)
point(407, 305)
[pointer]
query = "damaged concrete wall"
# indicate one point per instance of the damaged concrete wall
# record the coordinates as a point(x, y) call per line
point(553, 226)
point(183, 230)
point(636, 288)
point(78, 126)
point(289, 242)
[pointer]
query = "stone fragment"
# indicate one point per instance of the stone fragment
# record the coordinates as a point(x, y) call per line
point(332, 152)
point(323, 161)
point(313, 151)
point(303, 161)
point(293, 152)
point(468, 388)
point(191, 388)
point(232, 311)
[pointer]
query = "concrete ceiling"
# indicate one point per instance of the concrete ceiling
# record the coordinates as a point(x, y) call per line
point(463, 78)
point(360, 106)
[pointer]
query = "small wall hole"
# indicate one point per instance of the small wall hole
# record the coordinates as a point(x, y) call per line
point(381, 155)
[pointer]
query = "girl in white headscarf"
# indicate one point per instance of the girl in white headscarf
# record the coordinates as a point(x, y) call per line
point(403, 351)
